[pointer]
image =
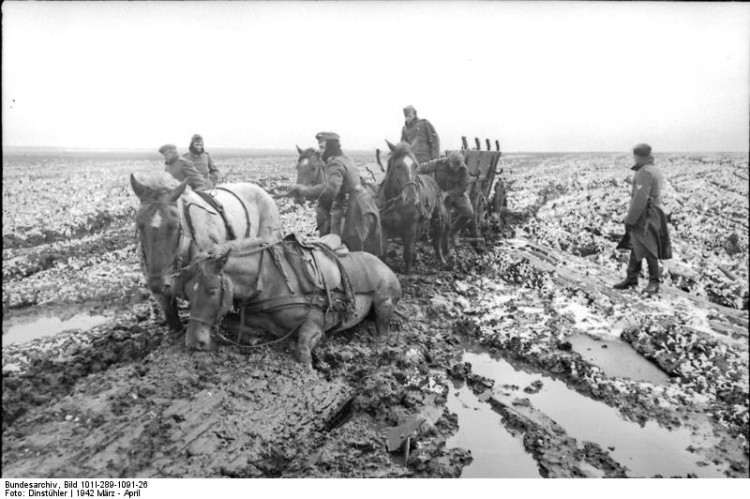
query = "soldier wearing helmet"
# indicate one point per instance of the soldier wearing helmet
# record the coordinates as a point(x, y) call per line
point(420, 135)
point(452, 175)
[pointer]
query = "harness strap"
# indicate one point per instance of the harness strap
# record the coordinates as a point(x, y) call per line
point(212, 201)
point(244, 208)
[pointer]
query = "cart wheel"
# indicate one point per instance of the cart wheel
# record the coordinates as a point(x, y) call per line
point(480, 212)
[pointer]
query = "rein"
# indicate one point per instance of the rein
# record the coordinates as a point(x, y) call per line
point(391, 203)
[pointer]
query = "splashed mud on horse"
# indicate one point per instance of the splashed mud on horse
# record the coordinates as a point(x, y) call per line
point(174, 223)
point(286, 286)
point(408, 200)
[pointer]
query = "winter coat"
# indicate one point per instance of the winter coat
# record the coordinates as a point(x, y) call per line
point(646, 221)
point(455, 183)
point(182, 169)
point(344, 191)
point(205, 165)
point(423, 139)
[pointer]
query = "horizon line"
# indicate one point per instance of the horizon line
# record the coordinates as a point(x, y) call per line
point(292, 151)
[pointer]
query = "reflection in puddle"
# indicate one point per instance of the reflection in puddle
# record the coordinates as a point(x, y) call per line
point(617, 358)
point(48, 326)
point(646, 451)
point(496, 453)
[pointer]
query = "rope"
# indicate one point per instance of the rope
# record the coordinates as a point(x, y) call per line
point(260, 345)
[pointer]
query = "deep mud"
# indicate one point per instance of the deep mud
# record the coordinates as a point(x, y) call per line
point(124, 398)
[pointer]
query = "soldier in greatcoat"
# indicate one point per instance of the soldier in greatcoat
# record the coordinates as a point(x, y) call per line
point(182, 169)
point(344, 202)
point(420, 135)
point(202, 161)
point(646, 223)
point(452, 175)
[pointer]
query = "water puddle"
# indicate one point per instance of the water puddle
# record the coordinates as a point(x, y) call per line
point(616, 358)
point(17, 330)
point(496, 453)
point(646, 451)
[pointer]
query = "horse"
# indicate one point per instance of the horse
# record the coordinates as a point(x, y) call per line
point(362, 231)
point(311, 171)
point(407, 200)
point(278, 295)
point(173, 223)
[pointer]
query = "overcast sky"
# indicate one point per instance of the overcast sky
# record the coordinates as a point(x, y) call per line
point(538, 76)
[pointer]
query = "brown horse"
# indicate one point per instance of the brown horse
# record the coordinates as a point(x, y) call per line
point(408, 200)
point(174, 223)
point(311, 171)
point(279, 297)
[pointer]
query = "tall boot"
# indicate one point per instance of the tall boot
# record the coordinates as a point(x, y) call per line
point(654, 276)
point(631, 278)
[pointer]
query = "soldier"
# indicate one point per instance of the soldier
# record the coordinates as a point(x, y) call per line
point(452, 175)
point(182, 169)
point(646, 223)
point(202, 161)
point(420, 135)
point(344, 203)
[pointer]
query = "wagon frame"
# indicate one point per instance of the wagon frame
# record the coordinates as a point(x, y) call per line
point(486, 195)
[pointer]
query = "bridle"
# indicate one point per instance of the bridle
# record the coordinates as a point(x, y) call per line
point(391, 203)
point(181, 238)
point(223, 307)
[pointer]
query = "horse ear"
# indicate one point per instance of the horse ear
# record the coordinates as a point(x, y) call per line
point(138, 188)
point(390, 146)
point(177, 191)
point(299, 151)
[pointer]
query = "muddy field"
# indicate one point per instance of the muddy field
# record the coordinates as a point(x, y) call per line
point(518, 361)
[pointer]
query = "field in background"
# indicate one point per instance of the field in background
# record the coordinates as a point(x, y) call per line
point(528, 295)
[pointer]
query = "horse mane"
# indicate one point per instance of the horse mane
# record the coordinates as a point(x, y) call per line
point(157, 180)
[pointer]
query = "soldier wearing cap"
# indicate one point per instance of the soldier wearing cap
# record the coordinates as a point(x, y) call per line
point(420, 135)
point(646, 223)
point(452, 175)
point(202, 161)
point(182, 169)
point(344, 203)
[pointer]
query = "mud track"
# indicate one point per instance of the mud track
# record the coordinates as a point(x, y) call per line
point(125, 399)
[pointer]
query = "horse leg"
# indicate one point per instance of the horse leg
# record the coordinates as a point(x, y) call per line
point(438, 236)
point(310, 333)
point(169, 305)
point(384, 306)
point(410, 241)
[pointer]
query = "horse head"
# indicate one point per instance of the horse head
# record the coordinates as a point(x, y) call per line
point(401, 174)
point(159, 228)
point(310, 170)
point(210, 293)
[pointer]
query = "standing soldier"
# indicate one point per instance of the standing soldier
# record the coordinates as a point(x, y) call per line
point(182, 169)
point(646, 223)
point(344, 202)
point(202, 161)
point(452, 175)
point(420, 135)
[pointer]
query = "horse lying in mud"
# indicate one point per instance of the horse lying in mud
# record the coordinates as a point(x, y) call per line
point(174, 223)
point(408, 200)
point(286, 286)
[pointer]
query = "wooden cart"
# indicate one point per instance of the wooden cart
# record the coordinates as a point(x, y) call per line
point(486, 187)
